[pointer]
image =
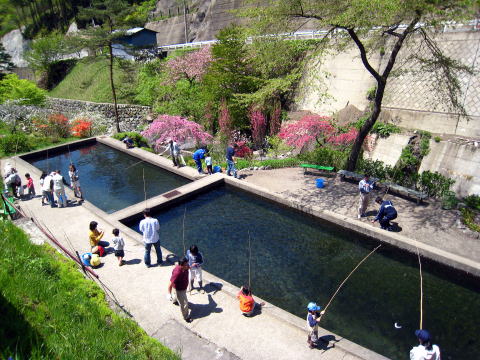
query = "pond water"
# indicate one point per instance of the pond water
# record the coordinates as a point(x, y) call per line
point(297, 259)
point(110, 179)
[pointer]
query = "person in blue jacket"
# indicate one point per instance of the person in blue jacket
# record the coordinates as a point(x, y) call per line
point(386, 213)
point(198, 156)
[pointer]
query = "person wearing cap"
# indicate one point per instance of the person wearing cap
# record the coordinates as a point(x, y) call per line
point(313, 318)
point(365, 186)
point(179, 282)
point(424, 351)
point(386, 213)
point(198, 156)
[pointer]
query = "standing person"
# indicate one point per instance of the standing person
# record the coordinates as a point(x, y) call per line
point(47, 189)
point(365, 186)
point(174, 149)
point(75, 181)
point(149, 228)
point(313, 318)
point(42, 181)
point(198, 156)
point(179, 282)
point(424, 351)
point(230, 156)
point(118, 246)
point(30, 186)
point(95, 236)
point(208, 164)
point(59, 188)
point(386, 213)
point(195, 262)
point(247, 303)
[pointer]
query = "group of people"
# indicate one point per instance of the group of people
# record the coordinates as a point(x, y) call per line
point(13, 183)
point(203, 153)
point(387, 211)
point(97, 246)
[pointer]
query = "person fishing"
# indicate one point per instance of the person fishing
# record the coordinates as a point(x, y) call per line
point(425, 350)
point(313, 318)
point(386, 213)
point(365, 186)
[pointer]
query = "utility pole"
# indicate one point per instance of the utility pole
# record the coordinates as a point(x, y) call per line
point(185, 20)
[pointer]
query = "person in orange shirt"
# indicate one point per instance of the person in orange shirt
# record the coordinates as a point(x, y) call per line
point(95, 236)
point(247, 303)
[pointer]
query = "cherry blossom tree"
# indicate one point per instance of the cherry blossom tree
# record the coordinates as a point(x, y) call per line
point(191, 66)
point(307, 129)
point(167, 127)
point(344, 139)
point(259, 126)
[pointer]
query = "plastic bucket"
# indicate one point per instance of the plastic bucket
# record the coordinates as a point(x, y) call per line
point(217, 169)
point(320, 183)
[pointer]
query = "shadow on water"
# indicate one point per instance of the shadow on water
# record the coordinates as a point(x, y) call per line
point(199, 311)
point(17, 338)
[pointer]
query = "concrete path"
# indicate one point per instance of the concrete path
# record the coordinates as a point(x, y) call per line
point(218, 330)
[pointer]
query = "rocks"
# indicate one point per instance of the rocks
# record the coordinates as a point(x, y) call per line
point(15, 45)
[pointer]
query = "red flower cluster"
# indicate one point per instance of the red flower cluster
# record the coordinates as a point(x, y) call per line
point(81, 128)
point(243, 150)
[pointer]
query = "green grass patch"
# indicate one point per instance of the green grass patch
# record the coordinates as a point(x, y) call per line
point(17, 144)
point(50, 311)
point(89, 80)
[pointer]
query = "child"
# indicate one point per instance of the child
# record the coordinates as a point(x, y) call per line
point(195, 261)
point(118, 245)
point(247, 303)
point(208, 163)
point(313, 318)
point(30, 187)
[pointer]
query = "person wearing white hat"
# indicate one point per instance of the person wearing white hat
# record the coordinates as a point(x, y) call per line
point(313, 318)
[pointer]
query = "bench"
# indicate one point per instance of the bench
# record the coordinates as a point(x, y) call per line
point(316, 167)
point(420, 196)
point(344, 174)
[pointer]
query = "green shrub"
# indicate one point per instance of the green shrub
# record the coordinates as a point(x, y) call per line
point(449, 200)
point(384, 130)
point(138, 139)
point(13, 88)
point(434, 183)
point(371, 93)
point(425, 134)
point(327, 157)
point(468, 218)
point(473, 201)
point(407, 158)
point(437, 139)
point(424, 146)
point(15, 143)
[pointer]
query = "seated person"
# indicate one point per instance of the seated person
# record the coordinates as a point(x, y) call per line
point(247, 303)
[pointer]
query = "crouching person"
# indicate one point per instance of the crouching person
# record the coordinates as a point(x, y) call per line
point(386, 213)
point(247, 303)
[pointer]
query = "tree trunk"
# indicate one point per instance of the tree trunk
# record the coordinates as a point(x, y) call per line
point(185, 20)
point(114, 94)
point(362, 134)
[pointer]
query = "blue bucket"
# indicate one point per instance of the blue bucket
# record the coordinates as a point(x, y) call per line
point(217, 169)
point(320, 183)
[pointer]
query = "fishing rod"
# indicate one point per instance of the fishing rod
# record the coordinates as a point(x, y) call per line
point(249, 261)
point(183, 229)
point(421, 289)
point(345, 280)
point(144, 187)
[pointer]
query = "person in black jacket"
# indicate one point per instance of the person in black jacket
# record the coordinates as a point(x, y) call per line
point(386, 213)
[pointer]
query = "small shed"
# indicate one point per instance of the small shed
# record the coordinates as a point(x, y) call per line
point(139, 37)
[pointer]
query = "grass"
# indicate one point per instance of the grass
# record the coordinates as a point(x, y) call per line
point(89, 80)
point(37, 143)
point(50, 311)
point(245, 163)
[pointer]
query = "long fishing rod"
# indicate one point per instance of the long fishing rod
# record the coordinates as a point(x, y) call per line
point(183, 230)
point(344, 281)
point(421, 289)
point(249, 261)
point(144, 187)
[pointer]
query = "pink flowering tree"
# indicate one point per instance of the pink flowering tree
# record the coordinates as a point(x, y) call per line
point(167, 127)
point(306, 130)
point(259, 126)
point(192, 66)
point(344, 139)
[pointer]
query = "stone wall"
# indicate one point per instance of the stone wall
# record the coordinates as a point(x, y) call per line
point(131, 116)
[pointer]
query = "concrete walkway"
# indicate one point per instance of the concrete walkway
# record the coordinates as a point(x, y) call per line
point(218, 330)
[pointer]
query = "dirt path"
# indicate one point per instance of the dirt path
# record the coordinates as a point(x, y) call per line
point(427, 223)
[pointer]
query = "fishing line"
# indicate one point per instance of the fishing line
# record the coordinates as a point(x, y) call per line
point(249, 261)
point(138, 162)
point(183, 229)
point(344, 281)
point(144, 187)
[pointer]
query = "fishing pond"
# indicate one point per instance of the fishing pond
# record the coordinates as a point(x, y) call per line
point(110, 179)
point(296, 258)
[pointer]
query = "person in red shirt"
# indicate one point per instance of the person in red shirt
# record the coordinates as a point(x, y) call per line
point(30, 187)
point(247, 303)
point(179, 282)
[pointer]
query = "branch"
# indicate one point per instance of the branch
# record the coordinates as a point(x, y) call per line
point(363, 54)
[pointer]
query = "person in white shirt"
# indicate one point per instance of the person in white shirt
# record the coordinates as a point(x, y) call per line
point(208, 164)
point(174, 149)
point(118, 246)
point(59, 188)
point(149, 228)
point(424, 351)
point(365, 186)
point(47, 189)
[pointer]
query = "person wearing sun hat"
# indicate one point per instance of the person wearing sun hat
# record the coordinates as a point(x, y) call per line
point(424, 351)
point(313, 318)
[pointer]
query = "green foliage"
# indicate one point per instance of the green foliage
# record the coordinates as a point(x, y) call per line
point(138, 140)
point(424, 146)
point(323, 155)
point(371, 93)
point(473, 201)
point(6, 64)
point(50, 311)
point(13, 88)
point(449, 200)
point(272, 163)
point(277, 146)
point(45, 51)
point(15, 143)
point(384, 130)
point(437, 139)
point(407, 158)
point(141, 12)
point(468, 218)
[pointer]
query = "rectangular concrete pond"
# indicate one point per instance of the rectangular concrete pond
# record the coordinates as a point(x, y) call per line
point(110, 179)
point(297, 258)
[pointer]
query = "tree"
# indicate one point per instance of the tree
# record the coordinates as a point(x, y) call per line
point(45, 51)
point(375, 24)
point(167, 127)
point(259, 126)
point(6, 65)
point(191, 66)
point(26, 92)
point(307, 129)
point(111, 15)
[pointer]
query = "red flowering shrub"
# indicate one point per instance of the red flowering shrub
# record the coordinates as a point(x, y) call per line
point(58, 125)
point(81, 128)
point(243, 150)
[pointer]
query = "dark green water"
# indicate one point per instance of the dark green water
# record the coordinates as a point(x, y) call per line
point(297, 259)
point(109, 178)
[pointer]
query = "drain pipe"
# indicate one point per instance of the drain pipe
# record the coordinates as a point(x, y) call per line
point(67, 252)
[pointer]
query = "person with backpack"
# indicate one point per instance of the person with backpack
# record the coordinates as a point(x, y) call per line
point(425, 350)
point(386, 213)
